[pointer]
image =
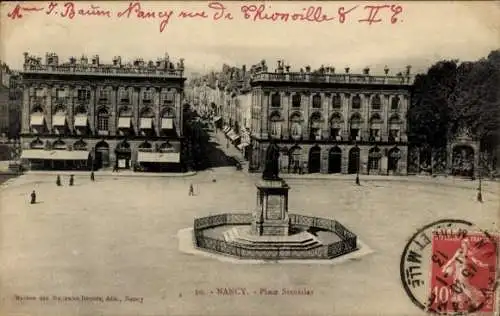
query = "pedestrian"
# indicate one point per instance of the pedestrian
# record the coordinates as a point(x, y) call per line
point(92, 176)
point(191, 189)
point(58, 181)
point(479, 196)
point(71, 180)
point(33, 197)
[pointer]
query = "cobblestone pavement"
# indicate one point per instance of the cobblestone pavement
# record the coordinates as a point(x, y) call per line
point(118, 236)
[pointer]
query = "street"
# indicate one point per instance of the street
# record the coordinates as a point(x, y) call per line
point(118, 237)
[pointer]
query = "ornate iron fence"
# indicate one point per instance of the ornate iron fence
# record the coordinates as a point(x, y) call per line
point(348, 242)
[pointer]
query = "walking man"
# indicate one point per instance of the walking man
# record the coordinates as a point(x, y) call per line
point(191, 189)
point(92, 176)
point(33, 197)
point(71, 180)
point(58, 181)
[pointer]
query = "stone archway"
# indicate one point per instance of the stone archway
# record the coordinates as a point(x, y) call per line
point(463, 161)
point(374, 157)
point(335, 160)
point(315, 160)
point(101, 155)
point(394, 156)
point(294, 160)
point(354, 158)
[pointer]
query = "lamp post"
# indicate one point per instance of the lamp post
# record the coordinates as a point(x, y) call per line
point(479, 187)
point(358, 158)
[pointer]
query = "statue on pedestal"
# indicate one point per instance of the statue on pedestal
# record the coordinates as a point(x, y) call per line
point(271, 168)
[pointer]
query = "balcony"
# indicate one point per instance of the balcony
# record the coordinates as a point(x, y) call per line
point(332, 78)
point(106, 70)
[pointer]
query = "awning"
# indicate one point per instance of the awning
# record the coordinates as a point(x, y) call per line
point(217, 118)
point(81, 121)
point(59, 120)
point(158, 157)
point(167, 123)
point(37, 120)
point(242, 145)
point(146, 123)
point(55, 154)
point(124, 122)
point(227, 129)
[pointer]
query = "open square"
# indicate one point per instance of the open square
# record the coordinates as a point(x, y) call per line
point(116, 238)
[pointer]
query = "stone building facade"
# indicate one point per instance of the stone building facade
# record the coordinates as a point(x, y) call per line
point(85, 114)
point(325, 122)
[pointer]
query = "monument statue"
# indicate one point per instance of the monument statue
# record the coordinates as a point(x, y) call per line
point(271, 168)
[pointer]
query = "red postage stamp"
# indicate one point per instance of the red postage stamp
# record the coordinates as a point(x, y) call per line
point(463, 273)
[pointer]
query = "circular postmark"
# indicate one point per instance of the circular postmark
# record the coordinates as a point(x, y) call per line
point(450, 267)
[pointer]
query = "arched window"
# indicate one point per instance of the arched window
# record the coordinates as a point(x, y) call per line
point(167, 118)
point(275, 100)
point(394, 128)
point(80, 145)
point(146, 118)
point(316, 101)
point(296, 126)
point(315, 130)
point(376, 102)
point(375, 126)
point(336, 126)
point(336, 101)
point(296, 100)
point(356, 102)
point(294, 156)
point(102, 120)
point(395, 103)
point(355, 127)
point(37, 110)
point(374, 156)
point(275, 125)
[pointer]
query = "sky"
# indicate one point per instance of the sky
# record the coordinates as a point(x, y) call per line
point(424, 33)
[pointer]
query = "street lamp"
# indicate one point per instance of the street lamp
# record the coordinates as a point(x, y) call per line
point(357, 169)
point(479, 188)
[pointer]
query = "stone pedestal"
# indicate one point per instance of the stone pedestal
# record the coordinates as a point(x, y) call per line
point(270, 217)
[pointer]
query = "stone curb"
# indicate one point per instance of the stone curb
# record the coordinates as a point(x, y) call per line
point(113, 174)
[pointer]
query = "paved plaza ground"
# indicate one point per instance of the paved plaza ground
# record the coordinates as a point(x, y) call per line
point(118, 237)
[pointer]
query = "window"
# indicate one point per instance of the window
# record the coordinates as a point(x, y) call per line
point(275, 100)
point(315, 132)
point(104, 94)
point(168, 98)
point(376, 102)
point(395, 103)
point(316, 101)
point(374, 134)
point(124, 96)
point(336, 101)
point(296, 130)
point(354, 133)
point(334, 132)
point(147, 96)
point(60, 93)
point(275, 129)
point(39, 93)
point(102, 120)
point(374, 159)
point(356, 102)
point(296, 100)
point(393, 135)
point(83, 95)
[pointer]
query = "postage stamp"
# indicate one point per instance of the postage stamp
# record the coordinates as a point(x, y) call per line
point(450, 267)
point(463, 273)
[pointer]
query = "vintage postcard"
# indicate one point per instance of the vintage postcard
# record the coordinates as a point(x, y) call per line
point(258, 158)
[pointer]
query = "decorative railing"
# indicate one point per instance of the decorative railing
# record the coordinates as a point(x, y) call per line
point(333, 78)
point(346, 244)
point(93, 70)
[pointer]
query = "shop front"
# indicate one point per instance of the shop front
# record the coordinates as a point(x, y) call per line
point(41, 159)
point(123, 155)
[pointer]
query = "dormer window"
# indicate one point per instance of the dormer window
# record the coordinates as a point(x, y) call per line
point(124, 96)
point(168, 98)
point(83, 94)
